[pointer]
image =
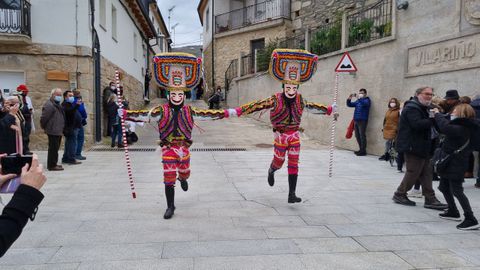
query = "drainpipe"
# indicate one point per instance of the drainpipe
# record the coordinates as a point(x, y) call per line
point(213, 45)
point(96, 75)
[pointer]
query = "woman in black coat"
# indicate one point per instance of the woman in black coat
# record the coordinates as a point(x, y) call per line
point(461, 128)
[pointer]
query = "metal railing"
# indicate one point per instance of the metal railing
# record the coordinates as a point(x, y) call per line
point(254, 14)
point(231, 73)
point(371, 23)
point(326, 38)
point(296, 42)
point(15, 19)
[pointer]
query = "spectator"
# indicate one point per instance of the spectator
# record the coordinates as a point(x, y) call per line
point(81, 131)
point(390, 125)
point(107, 91)
point(465, 100)
point(415, 141)
point(73, 122)
point(476, 106)
point(148, 78)
point(115, 120)
point(458, 133)
point(360, 118)
point(23, 205)
point(52, 122)
point(26, 109)
point(452, 99)
point(10, 128)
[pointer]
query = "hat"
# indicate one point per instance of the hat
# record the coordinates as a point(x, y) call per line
point(22, 88)
point(293, 66)
point(177, 71)
point(452, 94)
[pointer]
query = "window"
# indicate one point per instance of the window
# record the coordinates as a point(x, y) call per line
point(207, 19)
point(114, 23)
point(103, 15)
point(135, 45)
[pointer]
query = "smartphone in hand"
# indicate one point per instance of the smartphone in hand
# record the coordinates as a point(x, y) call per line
point(14, 164)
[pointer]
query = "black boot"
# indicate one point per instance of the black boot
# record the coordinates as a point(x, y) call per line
point(183, 184)
point(271, 177)
point(292, 185)
point(170, 194)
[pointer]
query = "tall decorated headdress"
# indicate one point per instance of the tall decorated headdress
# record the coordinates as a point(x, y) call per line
point(177, 71)
point(293, 66)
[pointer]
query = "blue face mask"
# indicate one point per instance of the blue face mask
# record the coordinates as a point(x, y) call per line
point(57, 99)
point(70, 99)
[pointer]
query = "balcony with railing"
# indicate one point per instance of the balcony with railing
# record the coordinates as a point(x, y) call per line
point(252, 15)
point(15, 22)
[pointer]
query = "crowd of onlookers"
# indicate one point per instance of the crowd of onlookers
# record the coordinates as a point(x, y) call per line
point(435, 137)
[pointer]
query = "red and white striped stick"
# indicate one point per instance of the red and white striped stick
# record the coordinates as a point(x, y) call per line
point(124, 134)
point(332, 136)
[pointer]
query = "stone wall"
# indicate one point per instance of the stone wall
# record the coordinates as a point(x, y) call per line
point(388, 69)
point(313, 13)
point(232, 47)
point(37, 59)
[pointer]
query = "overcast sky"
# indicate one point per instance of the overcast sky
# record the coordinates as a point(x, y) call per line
point(185, 14)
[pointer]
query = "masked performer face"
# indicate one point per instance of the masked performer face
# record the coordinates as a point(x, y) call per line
point(177, 97)
point(290, 90)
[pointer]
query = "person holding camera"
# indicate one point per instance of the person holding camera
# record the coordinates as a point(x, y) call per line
point(415, 140)
point(360, 118)
point(23, 205)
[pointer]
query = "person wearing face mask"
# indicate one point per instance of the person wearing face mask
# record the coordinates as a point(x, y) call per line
point(114, 119)
point(27, 111)
point(73, 123)
point(415, 141)
point(286, 109)
point(390, 125)
point(52, 121)
point(461, 135)
point(175, 120)
point(10, 128)
point(360, 118)
point(107, 91)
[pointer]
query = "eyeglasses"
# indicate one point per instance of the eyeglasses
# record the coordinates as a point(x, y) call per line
point(428, 94)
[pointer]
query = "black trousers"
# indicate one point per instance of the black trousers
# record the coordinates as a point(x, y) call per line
point(454, 187)
point(54, 143)
point(361, 134)
point(27, 130)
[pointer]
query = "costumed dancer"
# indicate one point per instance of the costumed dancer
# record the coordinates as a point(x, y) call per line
point(291, 67)
point(178, 73)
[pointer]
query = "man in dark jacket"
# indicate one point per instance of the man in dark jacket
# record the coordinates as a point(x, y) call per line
point(52, 122)
point(360, 118)
point(27, 111)
point(22, 206)
point(73, 122)
point(415, 140)
point(107, 92)
point(476, 106)
point(8, 126)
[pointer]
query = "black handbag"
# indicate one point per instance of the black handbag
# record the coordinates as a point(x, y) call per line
point(441, 159)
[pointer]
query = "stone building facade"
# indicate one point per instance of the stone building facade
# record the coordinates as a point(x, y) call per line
point(433, 42)
point(47, 55)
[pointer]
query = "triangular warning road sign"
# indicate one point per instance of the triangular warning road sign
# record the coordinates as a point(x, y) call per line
point(346, 64)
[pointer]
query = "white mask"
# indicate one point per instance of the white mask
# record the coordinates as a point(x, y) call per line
point(453, 117)
point(393, 105)
point(361, 95)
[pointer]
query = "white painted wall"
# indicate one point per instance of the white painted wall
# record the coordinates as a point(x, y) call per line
point(120, 51)
point(54, 22)
point(221, 6)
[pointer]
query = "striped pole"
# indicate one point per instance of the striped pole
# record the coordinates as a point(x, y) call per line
point(124, 134)
point(332, 136)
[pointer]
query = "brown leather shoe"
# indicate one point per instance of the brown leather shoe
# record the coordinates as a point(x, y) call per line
point(56, 168)
point(468, 175)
